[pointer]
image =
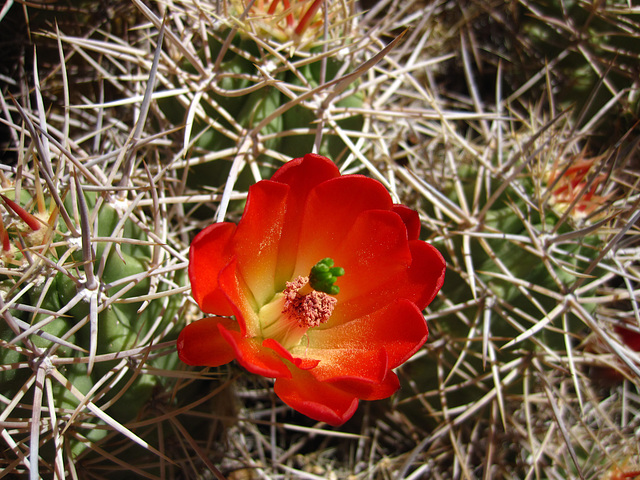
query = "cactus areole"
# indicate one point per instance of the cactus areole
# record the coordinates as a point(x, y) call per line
point(321, 285)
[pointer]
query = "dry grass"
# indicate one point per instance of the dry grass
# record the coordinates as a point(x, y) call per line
point(474, 117)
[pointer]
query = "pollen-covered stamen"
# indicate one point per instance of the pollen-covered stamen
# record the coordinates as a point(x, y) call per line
point(308, 310)
point(306, 302)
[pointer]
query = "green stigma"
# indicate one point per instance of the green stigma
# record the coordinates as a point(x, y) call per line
point(323, 276)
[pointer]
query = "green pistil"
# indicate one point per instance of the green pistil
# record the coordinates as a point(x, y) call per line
point(323, 276)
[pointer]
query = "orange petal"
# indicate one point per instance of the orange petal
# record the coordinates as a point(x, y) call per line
point(331, 211)
point(365, 390)
point(345, 350)
point(318, 400)
point(419, 283)
point(301, 175)
point(200, 343)
point(240, 299)
point(374, 250)
point(254, 357)
point(302, 363)
point(257, 238)
point(351, 364)
point(209, 253)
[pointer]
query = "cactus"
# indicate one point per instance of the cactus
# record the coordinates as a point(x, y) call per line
point(527, 241)
point(593, 50)
point(79, 303)
point(262, 95)
point(531, 368)
point(513, 267)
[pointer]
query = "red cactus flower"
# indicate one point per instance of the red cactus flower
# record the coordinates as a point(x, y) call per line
point(331, 339)
point(287, 19)
point(571, 187)
point(611, 375)
point(629, 337)
point(34, 236)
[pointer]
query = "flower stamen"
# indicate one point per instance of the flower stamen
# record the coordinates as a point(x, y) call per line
point(308, 310)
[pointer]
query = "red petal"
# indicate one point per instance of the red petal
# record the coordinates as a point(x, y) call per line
point(257, 238)
point(374, 250)
point(306, 172)
point(254, 357)
point(368, 390)
point(210, 252)
point(4, 237)
point(332, 209)
point(411, 220)
point(302, 175)
point(345, 350)
point(302, 363)
point(629, 337)
point(318, 400)
point(200, 343)
point(425, 276)
point(419, 283)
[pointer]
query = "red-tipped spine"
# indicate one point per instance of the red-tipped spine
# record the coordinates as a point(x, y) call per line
point(4, 236)
point(30, 220)
point(306, 19)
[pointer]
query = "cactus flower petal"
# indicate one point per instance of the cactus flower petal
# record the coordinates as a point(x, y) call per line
point(205, 287)
point(205, 345)
point(327, 346)
point(319, 400)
